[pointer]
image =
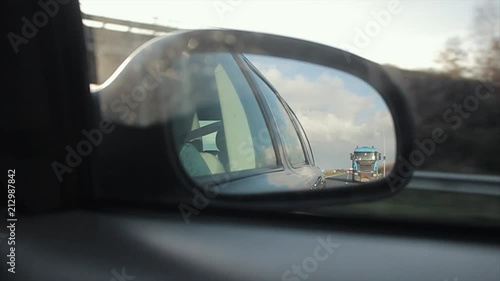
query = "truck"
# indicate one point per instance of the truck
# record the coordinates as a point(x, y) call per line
point(365, 163)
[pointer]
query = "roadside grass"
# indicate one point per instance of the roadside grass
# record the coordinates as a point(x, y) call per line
point(331, 173)
point(437, 206)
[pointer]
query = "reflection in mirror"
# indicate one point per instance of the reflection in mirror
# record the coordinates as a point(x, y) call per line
point(348, 124)
point(254, 124)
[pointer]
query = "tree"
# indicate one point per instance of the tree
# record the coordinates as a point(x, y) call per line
point(453, 58)
point(486, 34)
point(485, 55)
point(488, 61)
point(486, 22)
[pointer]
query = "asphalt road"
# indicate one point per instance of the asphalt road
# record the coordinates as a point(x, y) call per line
point(339, 181)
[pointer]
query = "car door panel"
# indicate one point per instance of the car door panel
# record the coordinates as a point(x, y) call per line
point(161, 246)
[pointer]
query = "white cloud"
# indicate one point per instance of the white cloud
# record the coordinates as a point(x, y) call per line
point(335, 119)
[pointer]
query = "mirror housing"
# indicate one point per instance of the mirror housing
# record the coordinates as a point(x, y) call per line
point(157, 141)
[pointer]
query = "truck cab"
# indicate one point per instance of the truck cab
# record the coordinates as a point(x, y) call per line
point(365, 160)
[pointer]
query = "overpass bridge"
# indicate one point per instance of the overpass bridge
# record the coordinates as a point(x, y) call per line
point(110, 41)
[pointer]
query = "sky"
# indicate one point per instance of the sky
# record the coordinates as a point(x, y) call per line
point(405, 33)
point(337, 110)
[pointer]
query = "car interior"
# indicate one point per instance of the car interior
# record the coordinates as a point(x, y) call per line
point(116, 216)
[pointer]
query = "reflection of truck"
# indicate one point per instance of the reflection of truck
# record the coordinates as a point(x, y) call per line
point(365, 163)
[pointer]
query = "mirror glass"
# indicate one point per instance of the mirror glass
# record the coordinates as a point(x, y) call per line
point(248, 123)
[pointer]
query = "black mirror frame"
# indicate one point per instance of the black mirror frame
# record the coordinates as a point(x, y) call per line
point(176, 44)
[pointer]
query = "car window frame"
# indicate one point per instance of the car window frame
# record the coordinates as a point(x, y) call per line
point(245, 68)
point(262, 108)
point(283, 103)
point(302, 135)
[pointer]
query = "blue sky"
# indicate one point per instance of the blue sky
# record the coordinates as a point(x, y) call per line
point(290, 69)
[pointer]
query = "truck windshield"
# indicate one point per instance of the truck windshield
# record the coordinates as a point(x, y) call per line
point(364, 155)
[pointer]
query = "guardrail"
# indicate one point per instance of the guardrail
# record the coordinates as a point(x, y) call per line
point(450, 182)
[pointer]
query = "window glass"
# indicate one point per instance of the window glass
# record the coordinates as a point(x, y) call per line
point(218, 124)
point(289, 135)
point(365, 156)
point(209, 140)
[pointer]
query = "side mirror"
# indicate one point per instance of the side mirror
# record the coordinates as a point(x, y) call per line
point(209, 118)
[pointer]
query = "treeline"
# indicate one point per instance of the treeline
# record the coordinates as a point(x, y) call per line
point(467, 111)
point(460, 100)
